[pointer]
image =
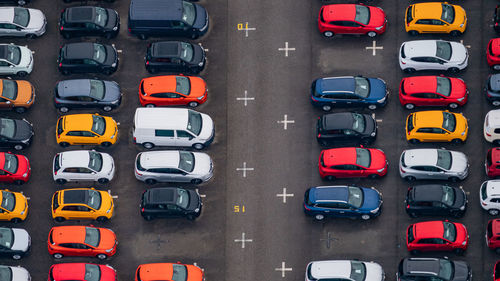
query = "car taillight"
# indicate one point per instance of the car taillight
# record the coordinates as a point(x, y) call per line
point(407, 206)
point(488, 135)
point(305, 207)
point(319, 135)
point(60, 64)
point(129, 30)
point(55, 172)
point(62, 27)
point(135, 141)
point(147, 62)
point(142, 210)
point(484, 204)
point(403, 62)
point(402, 171)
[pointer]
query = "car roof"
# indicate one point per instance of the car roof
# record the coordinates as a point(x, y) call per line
point(495, 226)
point(156, 271)
point(495, 46)
point(160, 84)
point(75, 196)
point(339, 12)
point(331, 193)
point(421, 266)
point(160, 159)
point(433, 118)
point(68, 234)
point(494, 118)
point(74, 87)
point(339, 156)
point(80, 14)
point(341, 84)
point(331, 268)
point(158, 118)
point(162, 195)
point(7, 14)
point(81, 50)
point(69, 271)
point(494, 81)
point(75, 158)
point(419, 84)
point(155, 9)
point(166, 49)
point(422, 156)
point(342, 120)
point(428, 192)
point(431, 10)
point(420, 48)
point(78, 122)
point(495, 155)
point(493, 188)
point(428, 229)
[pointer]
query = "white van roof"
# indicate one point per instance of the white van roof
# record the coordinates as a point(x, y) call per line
point(161, 118)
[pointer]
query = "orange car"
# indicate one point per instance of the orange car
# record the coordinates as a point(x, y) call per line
point(168, 271)
point(172, 90)
point(16, 94)
point(80, 240)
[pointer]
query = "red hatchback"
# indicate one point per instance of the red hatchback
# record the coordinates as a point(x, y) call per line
point(496, 272)
point(81, 271)
point(493, 53)
point(14, 168)
point(493, 235)
point(352, 162)
point(351, 19)
point(436, 236)
point(492, 163)
point(432, 91)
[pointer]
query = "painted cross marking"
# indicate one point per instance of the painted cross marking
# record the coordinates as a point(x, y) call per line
point(374, 48)
point(286, 49)
point(328, 240)
point(158, 242)
point(284, 195)
point(114, 196)
point(243, 240)
point(201, 195)
point(285, 121)
point(462, 42)
point(283, 269)
point(244, 169)
point(246, 28)
point(246, 98)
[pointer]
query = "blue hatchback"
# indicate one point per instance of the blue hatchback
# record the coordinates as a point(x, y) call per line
point(342, 202)
point(348, 91)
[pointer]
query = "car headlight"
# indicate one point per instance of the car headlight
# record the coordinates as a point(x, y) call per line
point(381, 170)
point(379, 28)
point(462, 25)
point(462, 208)
point(200, 98)
point(461, 99)
point(374, 211)
point(22, 212)
point(107, 212)
point(115, 28)
point(373, 134)
point(114, 64)
point(200, 63)
point(196, 210)
point(112, 137)
point(382, 100)
point(25, 175)
point(463, 243)
point(109, 250)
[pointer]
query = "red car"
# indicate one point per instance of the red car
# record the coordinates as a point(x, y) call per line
point(351, 19)
point(432, 91)
point(493, 53)
point(81, 271)
point(436, 236)
point(352, 162)
point(79, 240)
point(14, 168)
point(496, 271)
point(492, 163)
point(493, 235)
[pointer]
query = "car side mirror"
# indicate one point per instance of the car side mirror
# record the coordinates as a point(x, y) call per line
point(11, 66)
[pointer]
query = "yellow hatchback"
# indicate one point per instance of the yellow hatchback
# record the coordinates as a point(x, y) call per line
point(14, 206)
point(82, 203)
point(92, 129)
point(435, 17)
point(436, 126)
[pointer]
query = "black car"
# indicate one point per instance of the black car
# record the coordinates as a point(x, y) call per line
point(175, 56)
point(89, 21)
point(87, 93)
point(15, 2)
point(433, 269)
point(496, 19)
point(69, 1)
point(14, 242)
point(492, 89)
point(170, 202)
point(346, 128)
point(87, 57)
point(435, 199)
point(15, 133)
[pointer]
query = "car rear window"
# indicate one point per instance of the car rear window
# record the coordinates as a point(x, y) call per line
point(55, 203)
point(484, 194)
point(362, 14)
point(60, 126)
point(409, 234)
point(138, 164)
point(402, 87)
point(409, 16)
point(409, 123)
point(56, 163)
point(403, 51)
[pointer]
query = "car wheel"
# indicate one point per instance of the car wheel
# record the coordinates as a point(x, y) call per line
point(22, 73)
point(319, 217)
point(66, 35)
point(20, 109)
point(60, 219)
point(102, 256)
point(455, 33)
point(18, 182)
point(410, 178)
point(198, 146)
point(18, 146)
point(496, 67)
point(372, 106)
point(453, 69)
point(496, 142)
point(58, 256)
point(195, 36)
point(454, 179)
point(65, 72)
point(107, 108)
point(328, 34)
point(373, 176)
point(193, 104)
point(150, 181)
point(493, 212)
point(31, 36)
point(409, 70)
point(329, 178)
point(63, 109)
point(459, 251)
point(412, 215)
point(142, 36)
point(21, 2)
point(365, 217)
point(102, 219)
point(61, 181)
point(148, 145)
point(371, 34)
point(148, 218)
point(106, 144)
point(413, 33)
point(326, 107)
point(152, 70)
point(196, 181)
point(365, 141)
point(103, 180)
point(457, 141)
point(409, 106)
point(150, 105)
point(414, 252)
point(16, 257)
point(191, 217)
point(495, 103)
point(16, 220)
point(414, 141)
point(453, 105)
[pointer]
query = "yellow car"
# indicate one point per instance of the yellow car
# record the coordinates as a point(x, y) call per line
point(86, 129)
point(82, 203)
point(435, 17)
point(16, 94)
point(14, 206)
point(436, 126)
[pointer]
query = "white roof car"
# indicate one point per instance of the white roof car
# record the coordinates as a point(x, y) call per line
point(491, 129)
point(14, 273)
point(344, 270)
point(15, 242)
point(23, 22)
point(416, 164)
point(489, 195)
point(15, 59)
point(83, 165)
point(432, 55)
point(173, 166)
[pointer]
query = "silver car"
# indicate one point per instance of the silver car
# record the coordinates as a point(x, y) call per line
point(17, 60)
point(173, 166)
point(433, 164)
point(22, 22)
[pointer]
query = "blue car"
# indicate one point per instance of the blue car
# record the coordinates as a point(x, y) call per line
point(342, 202)
point(348, 91)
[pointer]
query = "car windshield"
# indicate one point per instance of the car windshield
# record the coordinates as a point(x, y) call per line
point(194, 122)
point(355, 198)
point(450, 231)
point(5, 273)
point(10, 164)
point(92, 272)
point(358, 271)
point(362, 87)
point(8, 200)
point(443, 86)
point(180, 272)
point(94, 199)
point(97, 89)
point(8, 128)
point(448, 14)
point(92, 236)
point(13, 54)
point(186, 161)
point(21, 16)
point(186, 51)
point(95, 162)
point(362, 14)
point(101, 16)
point(98, 124)
point(449, 121)
point(363, 157)
point(448, 195)
point(188, 12)
point(99, 53)
point(443, 50)
point(6, 237)
point(182, 198)
point(446, 269)
point(359, 122)
point(444, 159)
point(182, 85)
point(9, 89)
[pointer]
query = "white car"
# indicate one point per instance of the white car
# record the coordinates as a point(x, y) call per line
point(491, 128)
point(83, 165)
point(489, 195)
point(432, 55)
point(17, 60)
point(433, 164)
point(344, 270)
point(22, 22)
point(14, 273)
point(173, 166)
point(14, 242)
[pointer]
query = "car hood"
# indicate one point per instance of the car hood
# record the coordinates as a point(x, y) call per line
point(202, 165)
point(107, 272)
point(371, 126)
point(108, 239)
point(26, 57)
point(458, 88)
point(378, 89)
point(207, 127)
point(459, 162)
point(460, 198)
point(22, 240)
point(24, 131)
point(199, 54)
point(113, 91)
point(374, 272)
point(201, 16)
point(113, 19)
point(107, 163)
point(194, 200)
point(378, 159)
point(37, 19)
point(111, 56)
point(198, 87)
point(459, 52)
point(461, 271)
point(377, 17)
point(20, 273)
point(371, 201)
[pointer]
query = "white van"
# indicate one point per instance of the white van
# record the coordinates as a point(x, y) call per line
point(178, 127)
